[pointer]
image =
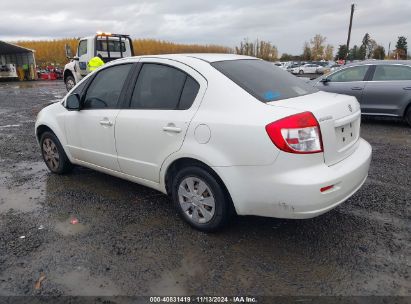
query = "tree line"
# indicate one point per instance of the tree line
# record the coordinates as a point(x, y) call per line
point(370, 49)
point(52, 52)
point(317, 49)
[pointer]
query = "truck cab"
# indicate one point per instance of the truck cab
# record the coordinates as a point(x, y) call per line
point(109, 46)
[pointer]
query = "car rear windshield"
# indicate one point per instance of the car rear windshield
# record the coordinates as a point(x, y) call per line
point(263, 79)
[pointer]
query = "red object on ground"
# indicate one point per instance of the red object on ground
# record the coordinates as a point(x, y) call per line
point(48, 76)
point(74, 221)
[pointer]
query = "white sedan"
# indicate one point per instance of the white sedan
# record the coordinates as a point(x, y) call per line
point(221, 134)
point(308, 68)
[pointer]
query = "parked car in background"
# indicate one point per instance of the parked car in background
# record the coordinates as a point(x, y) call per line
point(219, 133)
point(327, 68)
point(382, 88)
point(309, 68)
point(8, 71)
point(293, 66)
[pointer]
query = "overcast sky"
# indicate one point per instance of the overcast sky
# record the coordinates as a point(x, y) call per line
point(285, 23)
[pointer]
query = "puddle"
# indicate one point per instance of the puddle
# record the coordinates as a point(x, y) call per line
point(10, 126)
point(24, 200)
point(174, 282)
point(66, 228)
point(80, 282)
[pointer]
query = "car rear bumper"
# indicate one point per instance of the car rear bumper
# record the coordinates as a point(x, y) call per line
point(290, 190)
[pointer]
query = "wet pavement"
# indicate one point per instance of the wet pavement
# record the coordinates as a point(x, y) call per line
point(130, 241)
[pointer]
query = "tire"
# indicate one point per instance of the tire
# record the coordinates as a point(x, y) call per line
point(53, 154)
point(208, 217)
point(70, 82)
point(408, 116)
point(301, 72)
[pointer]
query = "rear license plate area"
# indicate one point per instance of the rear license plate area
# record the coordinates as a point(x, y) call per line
point(346, 134)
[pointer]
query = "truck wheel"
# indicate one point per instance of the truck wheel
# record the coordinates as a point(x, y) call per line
point(70, 82)
point(408, 116)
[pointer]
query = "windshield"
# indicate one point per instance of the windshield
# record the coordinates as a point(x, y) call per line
point(263, 80)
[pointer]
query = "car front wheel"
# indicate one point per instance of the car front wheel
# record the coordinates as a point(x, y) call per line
point(53, 154)
point(200, 199)
point(301, 72)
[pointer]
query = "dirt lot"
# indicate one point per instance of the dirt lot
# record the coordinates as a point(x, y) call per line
point(129, 240)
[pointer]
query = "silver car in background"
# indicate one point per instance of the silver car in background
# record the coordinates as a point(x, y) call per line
point(381, 87)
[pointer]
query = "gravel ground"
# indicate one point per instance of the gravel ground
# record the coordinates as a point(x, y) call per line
point(130, 241)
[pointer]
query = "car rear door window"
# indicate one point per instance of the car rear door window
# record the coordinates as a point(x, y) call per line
point(392, 72)
point(261, 80)
point(356, 73)
point(163, 87)
point(104, 91)
point(189, 93)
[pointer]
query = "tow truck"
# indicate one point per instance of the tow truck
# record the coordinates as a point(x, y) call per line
point(110, 46)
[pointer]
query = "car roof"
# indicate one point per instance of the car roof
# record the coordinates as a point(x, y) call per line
point(379, 62)
point(208, 57)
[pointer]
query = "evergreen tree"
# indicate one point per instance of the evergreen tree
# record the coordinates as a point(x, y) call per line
point(402, 47)
point(341, 53)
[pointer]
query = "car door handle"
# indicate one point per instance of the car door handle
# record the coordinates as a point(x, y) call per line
point(172, 129)
point(106, 123)
point(356, 88)
point(407, 88)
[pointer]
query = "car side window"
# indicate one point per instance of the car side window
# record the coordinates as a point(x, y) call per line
point(356, 73)
point(82, 48)
point(104, 90)
point(392, 72)
point(163, 87)
point(189, 93)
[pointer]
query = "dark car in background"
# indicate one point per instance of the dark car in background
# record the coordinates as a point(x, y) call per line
point(381, 87)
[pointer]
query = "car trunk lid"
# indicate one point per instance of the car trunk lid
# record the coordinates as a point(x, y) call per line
point(339, 117)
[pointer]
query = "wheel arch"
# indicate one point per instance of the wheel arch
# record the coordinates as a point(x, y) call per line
point(41, 129)
point(183, 162)
point(67, 73)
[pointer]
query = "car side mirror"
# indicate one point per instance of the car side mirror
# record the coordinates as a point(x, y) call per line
point(73, 102)
point(325, 80)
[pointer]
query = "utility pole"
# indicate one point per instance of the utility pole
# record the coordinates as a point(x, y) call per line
point(349, 31)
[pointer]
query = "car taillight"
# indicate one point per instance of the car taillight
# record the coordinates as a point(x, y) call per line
point(299, 133)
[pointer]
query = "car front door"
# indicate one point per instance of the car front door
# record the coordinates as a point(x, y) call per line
point(389, 92)
point(90, 131)
point(349, 81)
point(162, 104)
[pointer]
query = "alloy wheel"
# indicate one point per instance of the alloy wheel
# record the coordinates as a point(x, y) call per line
point(51, 154)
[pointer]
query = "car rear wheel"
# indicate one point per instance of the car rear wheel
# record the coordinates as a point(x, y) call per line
point(200, 199)
point(53, 154)
point(70, 83)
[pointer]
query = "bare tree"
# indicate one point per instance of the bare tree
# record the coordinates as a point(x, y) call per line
point(317, 46)
point(329, 52)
